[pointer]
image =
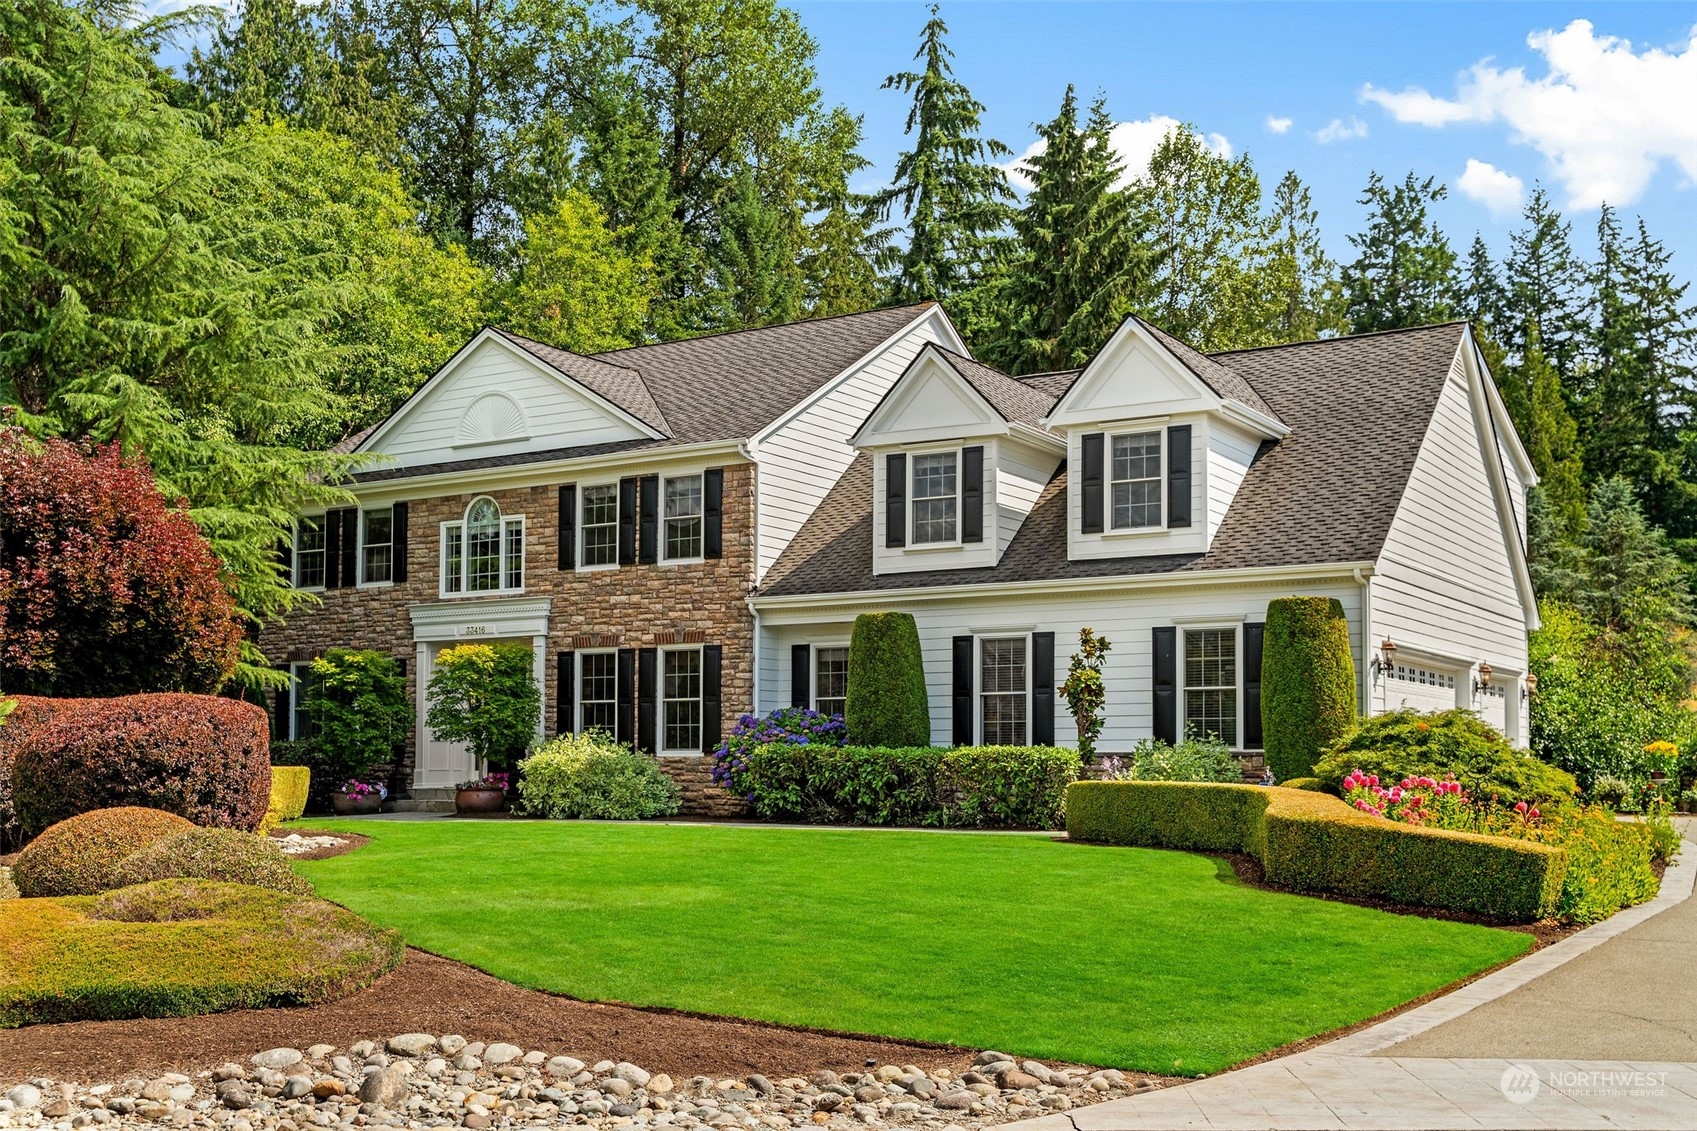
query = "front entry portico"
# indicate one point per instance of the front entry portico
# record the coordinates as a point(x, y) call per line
point(442, 624)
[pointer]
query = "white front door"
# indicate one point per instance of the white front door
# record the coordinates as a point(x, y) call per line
point(439, 764)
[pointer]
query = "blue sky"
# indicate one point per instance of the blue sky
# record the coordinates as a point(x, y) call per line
point(1397, 85)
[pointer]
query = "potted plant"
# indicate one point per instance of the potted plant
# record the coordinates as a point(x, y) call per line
point(485, 695)
point(357, 798)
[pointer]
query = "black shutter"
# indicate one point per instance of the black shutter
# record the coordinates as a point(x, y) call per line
point(284, 705)
point(1166, 684)
point(565, 687)
point(895, 500)
point(1042, 689)
point(647, 696)
point(648, 540)
point(963, 691)
point(1252, 686)
point(713, 513)
point(332, 521)
point(1091, 500)
point(624, 726)
point(972, 494)
point(568, 526)
point(401, 666)
point(801, 675)
point(627, 520)
point(712, 660)
point(286, 559)
point(398, 548)
point(350, 547)
point(1178, 475)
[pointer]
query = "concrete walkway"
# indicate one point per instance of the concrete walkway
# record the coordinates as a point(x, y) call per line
point(1595, 1031)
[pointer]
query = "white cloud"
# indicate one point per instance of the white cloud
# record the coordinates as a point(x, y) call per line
point(1339, 130)
point(1604, 115)
point(1134, 142)
point(1277, 125)
point(1498, 191)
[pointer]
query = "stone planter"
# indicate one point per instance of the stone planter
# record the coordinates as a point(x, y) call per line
point(347, 806)
point(479, 800)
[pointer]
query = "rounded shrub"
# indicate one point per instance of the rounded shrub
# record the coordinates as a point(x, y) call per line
point(82, 855)
point(226, 855)
point(887, 704)
point(1404, 744)
point(591, 776)
point(202, 757)
point(1307, 682)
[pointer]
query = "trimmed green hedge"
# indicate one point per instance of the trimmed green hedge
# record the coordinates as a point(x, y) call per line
point(1307, 682)
point(290, 786)
point(887, 703)
point(1314, 842)
point(1314, 784)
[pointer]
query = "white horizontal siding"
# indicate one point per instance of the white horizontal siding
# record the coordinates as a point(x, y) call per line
point(1021, 473)
point(1230, 451)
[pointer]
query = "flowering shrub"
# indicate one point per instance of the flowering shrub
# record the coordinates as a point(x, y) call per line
point(788, 726)
point(360, 790)
point(501, 781)
point(1085, 691)
point(1414, 801)
point(1444, 744)
point(593, 776)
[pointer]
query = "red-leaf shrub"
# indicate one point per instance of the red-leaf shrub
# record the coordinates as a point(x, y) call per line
point(82, 856)
point(200, 756)
point(104, 589)
point(24, 713)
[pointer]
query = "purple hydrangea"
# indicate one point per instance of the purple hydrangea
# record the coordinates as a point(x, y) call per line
point(795, 726)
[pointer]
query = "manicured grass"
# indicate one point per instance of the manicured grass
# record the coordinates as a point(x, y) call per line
point(1137, 958)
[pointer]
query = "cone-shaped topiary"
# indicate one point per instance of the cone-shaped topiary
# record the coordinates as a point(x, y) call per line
point(1307, 683)
point(886, 704)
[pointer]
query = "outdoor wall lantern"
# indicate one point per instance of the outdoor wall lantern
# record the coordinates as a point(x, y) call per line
point(1385, 661)
point(1531, 687)
point(1483, 683)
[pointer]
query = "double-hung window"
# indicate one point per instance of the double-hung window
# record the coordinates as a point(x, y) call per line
point(680, 700)
point(600, 525)
point(1135, 480)
point(681, 516)
point(830, 679)
point(309, 553)
point(598, 691)
point(1210, 684)
point(304, 681)
point(376, 546)
point(1004, 690)
point(484, 552)
point(936, 497)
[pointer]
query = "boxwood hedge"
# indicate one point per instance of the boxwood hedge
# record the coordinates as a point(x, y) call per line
point(290, 786)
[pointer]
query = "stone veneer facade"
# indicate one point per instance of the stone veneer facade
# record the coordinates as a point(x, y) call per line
point(635, 606)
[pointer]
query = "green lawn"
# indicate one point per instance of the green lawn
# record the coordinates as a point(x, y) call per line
point(1142, 959)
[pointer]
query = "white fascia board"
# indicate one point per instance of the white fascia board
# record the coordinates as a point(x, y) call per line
point(1041, 437)
point(1258, 422)
point(1486, 428)
point(928, 353)
point(1499, 411)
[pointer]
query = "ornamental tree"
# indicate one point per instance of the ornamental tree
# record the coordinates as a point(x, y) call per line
point(486, 696)
point(105, 588)
point(1085, 692)
point(358, 698)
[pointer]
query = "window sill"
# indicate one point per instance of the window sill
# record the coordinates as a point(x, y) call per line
point(681, 561)
point(1139, 531)
point(680, 754)
point(596, 568)
point(935, 547)
point(375, 585)
point(481, 593)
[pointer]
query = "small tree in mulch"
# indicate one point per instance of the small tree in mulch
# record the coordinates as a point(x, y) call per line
point(358, 699)
point(485, 695)
point(1085, 692)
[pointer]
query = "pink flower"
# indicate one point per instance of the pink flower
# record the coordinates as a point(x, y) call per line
point(1520, 806)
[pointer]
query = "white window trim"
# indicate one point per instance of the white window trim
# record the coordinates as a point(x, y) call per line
point(660, 746)
point(660, 520)
point(978, 639)
point(577, 686)
point(1108, 527)
point(295, 686)
point(582, 527)
point(359, 548)
point(911, 544)
point(295, 552)
point(1220, 625)
point(465, 589)
point(813, 669)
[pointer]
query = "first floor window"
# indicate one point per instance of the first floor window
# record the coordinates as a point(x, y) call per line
point(1210, 684)
point(305, 683)
point(1003, 691)
point(682, 517)
point(309, 553)
point(1136, 480)
point(600, 525)
point(680, 699)
point(934, 503)
point(377, 545)
point(483, 553)
point(598, 691)
point(830, 680)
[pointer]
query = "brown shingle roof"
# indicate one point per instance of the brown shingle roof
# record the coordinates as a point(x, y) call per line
point(1013, 398)
point(1055, 384)
point(619, 384)
point(1358, 409)
point(1223, 380)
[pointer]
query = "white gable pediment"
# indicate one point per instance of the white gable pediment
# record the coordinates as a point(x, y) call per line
point(930, 401)
point(493, 398)
point(1133, 376)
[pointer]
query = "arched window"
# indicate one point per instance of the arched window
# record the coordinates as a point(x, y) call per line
point(484, 552)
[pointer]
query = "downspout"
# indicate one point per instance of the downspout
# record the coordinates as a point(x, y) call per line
point(753, 587)
point(1365, 580)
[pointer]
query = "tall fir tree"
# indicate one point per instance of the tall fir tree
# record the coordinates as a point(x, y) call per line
point(1304, 279)
point(952, 196)
point(1483, 300)
point(1404, 272)
point(1551, 436)
point(1542, 280)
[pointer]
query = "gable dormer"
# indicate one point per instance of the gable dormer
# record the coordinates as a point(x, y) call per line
point(959, 458)
point(1159, 437)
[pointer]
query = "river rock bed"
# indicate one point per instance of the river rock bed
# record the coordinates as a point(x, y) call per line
point(419, 1080)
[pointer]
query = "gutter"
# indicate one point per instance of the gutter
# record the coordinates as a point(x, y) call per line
point(1364, 579)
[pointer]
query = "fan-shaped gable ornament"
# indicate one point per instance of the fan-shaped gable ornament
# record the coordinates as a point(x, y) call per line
point(490, 418)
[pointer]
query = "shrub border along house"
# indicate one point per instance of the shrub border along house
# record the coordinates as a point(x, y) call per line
point(1310, 841)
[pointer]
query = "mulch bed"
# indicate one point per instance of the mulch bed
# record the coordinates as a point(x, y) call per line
point(350, 841)
point(436, 995)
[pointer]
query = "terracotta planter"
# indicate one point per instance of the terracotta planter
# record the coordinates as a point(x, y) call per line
point(479, 800)
point(347, 806)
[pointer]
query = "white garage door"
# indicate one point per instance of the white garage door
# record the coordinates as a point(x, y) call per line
point(1491, 704)
point(1420, 687)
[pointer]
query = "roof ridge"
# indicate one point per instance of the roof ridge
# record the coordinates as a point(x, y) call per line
point(518, 337)
point(1046, 373)
point(757, 329)
point(1342, 337)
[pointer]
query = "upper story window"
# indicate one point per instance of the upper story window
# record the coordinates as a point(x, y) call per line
point(309, 552)
point(484, 552)
point(681, 516)
point(1210, 684)
point(377, 546)
point(936, 498)
point(1135, 480)
point(600, 525)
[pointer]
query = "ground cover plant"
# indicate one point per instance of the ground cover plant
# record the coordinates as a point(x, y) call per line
point(1158, 961)
point(1193, 759)
point(225, 855)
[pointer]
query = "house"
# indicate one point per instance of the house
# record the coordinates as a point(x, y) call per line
point(686, 531)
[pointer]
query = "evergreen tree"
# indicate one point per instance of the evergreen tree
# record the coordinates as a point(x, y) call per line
point(1303, 277)
point(757, 277)
point(1404, 273)
point(1483, 299)
point(1542, 279)
point(1080, 260)
point(951, 194)
point(1551, 437)
point(1552, 554)
point(1633, 580)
